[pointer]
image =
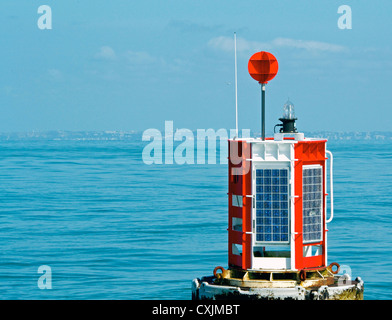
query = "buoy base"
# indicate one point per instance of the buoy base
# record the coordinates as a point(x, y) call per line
point(342, 288)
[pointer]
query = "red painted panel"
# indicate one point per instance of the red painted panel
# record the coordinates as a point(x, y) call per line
point(313, 262)
point(307, 153)
point(240, 185)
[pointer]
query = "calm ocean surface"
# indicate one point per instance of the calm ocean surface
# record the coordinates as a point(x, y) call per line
point(112, 227)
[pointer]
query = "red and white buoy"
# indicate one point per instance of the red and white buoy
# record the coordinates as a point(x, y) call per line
point(279, 188)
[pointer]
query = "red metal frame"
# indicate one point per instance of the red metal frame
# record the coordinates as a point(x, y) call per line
point(240, 185)
point(307, 153)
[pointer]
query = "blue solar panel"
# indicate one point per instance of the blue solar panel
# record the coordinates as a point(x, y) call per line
point(312, 203)
point(272, 205)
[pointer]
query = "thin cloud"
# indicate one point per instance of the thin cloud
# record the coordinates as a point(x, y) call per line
point(106, 53)
point(227, 44)
point(115, 65)
point(140, 58)
point(308, 45)
point(55, 74)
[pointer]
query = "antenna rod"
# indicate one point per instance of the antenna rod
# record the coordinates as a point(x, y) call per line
point(236, 94)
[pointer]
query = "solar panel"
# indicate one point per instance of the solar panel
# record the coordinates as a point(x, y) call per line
point(312, 180)
point(272, 205)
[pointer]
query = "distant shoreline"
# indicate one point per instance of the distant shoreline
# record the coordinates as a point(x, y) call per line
point(137, 135)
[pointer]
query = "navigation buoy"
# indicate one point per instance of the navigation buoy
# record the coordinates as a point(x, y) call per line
point(279, 188)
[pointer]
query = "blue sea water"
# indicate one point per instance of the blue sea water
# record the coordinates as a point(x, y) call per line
point(111, 227)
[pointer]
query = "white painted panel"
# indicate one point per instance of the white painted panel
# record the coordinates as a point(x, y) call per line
point(271, 263)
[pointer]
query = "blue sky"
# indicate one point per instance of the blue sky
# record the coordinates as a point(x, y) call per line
point(131, 65)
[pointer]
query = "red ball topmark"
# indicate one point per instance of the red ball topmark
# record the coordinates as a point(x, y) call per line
point(263, 66)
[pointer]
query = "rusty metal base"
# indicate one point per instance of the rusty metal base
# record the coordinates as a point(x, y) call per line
point(272, 285)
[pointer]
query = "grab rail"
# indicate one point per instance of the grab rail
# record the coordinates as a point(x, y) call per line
point(330, 183)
